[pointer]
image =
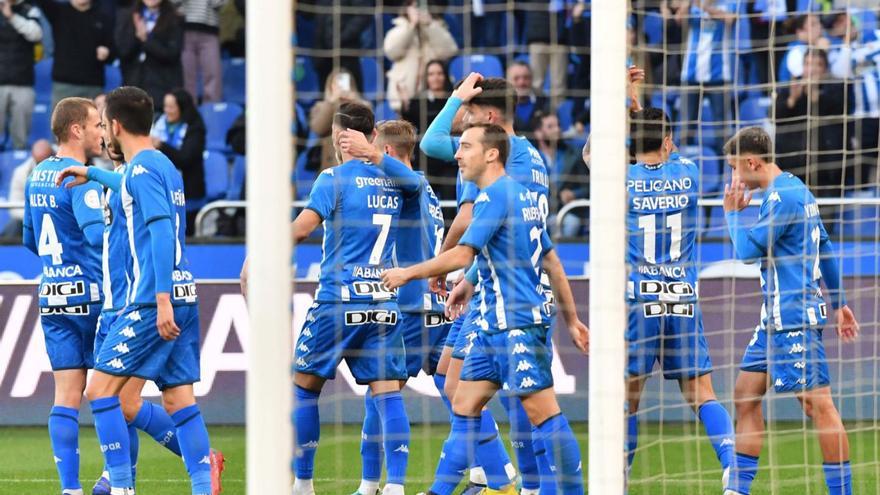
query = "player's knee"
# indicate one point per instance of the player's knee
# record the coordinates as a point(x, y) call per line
point(449, 388)
point(821, 410)
point(465, 406)
point(131, 406)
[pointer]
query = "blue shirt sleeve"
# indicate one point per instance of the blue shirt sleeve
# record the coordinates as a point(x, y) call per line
point(489, 215)
point(773, 220)
point(322, 198)
point(87, 207)
point(469, 192)
point(148, 190)
point(472, 275)
point(161, 239)
point(410, 182)
point(113, 180)
point(829, 265)
point(546, 243)
point(438, 141)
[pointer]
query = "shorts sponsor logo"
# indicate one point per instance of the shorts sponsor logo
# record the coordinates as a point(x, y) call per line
point(375, 289)
point(655, 310)
point(666, 290)
point(63, 289)
point(823, 310)
point(186, 292)
point(433, 320)
point(381, 316)
point(81, 310)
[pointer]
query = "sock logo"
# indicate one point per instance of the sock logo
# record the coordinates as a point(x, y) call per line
point(111, 447)
point(205, 460)
point(169, 435)
point(403, 448)
point(57, 459)
point(727, 442)
point(310, 445)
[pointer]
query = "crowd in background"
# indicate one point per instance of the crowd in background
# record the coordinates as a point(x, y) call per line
point(806, 69)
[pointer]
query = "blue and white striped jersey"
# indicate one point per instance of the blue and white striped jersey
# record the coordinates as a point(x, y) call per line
point(662, 230)
point(360, 206)
point(114, 255)
point(510, 239)
point(419, 237)
point(710, 55)
point(152, 190)
point(56, 218)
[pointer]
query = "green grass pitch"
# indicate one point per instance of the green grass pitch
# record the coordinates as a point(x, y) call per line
point(682, 463)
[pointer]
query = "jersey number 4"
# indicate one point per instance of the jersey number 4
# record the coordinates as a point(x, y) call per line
point(48, 244)
point(648, 223)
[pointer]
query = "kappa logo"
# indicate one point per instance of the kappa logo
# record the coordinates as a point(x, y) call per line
point(800, 365)
point(127, 332)
point(57, 459)
point(310, 317)
point(774, 196)
point(121, 347)
point(138, 170)
point(515, 333)
point(792, 335)
point(307, 332)
point(482, 198)
point(134, 316)
point(527, 382)
point(801, 381)
point(116, 363)
point(727, 441)
point(520, 348)
point(205, 460)
point(301, 362)
point(796, 348)
point(779, 382)
point(523, 365)
point(403, 449)
point(310, 445)
point(303, 347)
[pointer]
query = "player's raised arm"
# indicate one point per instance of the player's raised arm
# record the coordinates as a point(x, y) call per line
point(579, 332)
point(355, 144)
point(438, 141)
point(82, 174)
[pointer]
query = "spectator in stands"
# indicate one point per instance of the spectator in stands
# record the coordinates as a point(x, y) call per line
point(39, 152)
point(529, 100)
point(811, 119)
point(713, 21)
point(565, 167)
point(546, 34)
point(201, 48)
point(350, 28)
point(19, 31)
point(83, 37)
point(579, 39)
point(421, 111)
point(808, 35)
point(766, 17)
point(149, 39)
point(180, 133)
point(415, 39)
point(232, 28)
point(338, 88)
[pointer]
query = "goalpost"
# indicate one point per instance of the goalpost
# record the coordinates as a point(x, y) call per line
point(269, 244)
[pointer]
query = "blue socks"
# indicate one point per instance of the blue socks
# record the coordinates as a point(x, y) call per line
point(195, 447)
point(546, 470)
point(154, 421)
point(458, 452)
point(719, 429)
point(742, 473)
point(632, 438)
point(559, 440)
point(490, 453)
point(395, 435)
point(521, 441)
point(440, 383)
point(371, 441)
point(308, 429)
point(838, 478)
point(113, 437)
point(64, 433)
point(134, 447)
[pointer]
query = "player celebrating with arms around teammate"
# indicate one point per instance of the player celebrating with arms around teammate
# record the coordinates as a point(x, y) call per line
point(508, 238)
point(796, 253)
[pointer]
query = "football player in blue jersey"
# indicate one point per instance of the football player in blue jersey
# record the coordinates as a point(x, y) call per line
point(64, 228)
point(511, 351)
point(156, 336)
point(419, 234)
point(488, 100)
point(665, 324)
point(795, 252)
point(354, 317)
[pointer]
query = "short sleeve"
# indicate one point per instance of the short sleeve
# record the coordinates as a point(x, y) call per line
point(322, 198)
point(149, 192)
point(87, 207)
point(469, 192)
point(773, 221)
point(489, 215)
point(546, 243)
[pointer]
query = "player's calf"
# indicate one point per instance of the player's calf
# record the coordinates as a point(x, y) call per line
point(192, 435)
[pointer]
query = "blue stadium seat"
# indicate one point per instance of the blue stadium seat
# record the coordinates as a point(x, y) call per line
point(41, 123)
point(564, 114)
point(385, 112)
point(234, 74)
point(753, 111)
point(372, 75)
point(216, 175)
point(454, 23)
point(867, 21)
point(861, 221)
point(43, 83)
point(305, 79)
point(305, 31)
point(8, 161)
point(487, 65)
point(653, 26)
point(112, 77)
point(219, 117)
point(711, 171)
point(236, 180)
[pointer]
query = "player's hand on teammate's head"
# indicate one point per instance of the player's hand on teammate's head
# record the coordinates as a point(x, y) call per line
point(168, 330)
point(580, 335)
point(79, 174)
point(736, 195)
point(355, 143)
point(394, 278)
point(847, 326)
point(468, 88)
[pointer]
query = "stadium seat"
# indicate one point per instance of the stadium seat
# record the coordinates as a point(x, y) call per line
point(753, 111)
point(8, 161)
point(860, 221)
point(219, 117)
point(454, 23)
point(112, 77)
point(385, 112)
point(305, 79)
point(236, 179)
point(487, 65)
point(372, 74)
point(711, 171)
point(564, 114)
point(653, 26)
point(43, 83)
point(234, 75)
point(41, 123)
point(216, 175)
